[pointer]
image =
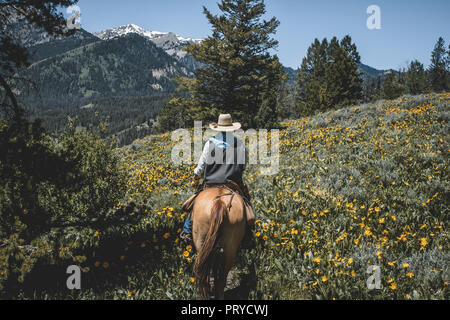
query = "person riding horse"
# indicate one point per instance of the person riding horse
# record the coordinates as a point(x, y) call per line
point(222, 164)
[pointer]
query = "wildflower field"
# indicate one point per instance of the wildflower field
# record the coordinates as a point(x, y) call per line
point(359, 188)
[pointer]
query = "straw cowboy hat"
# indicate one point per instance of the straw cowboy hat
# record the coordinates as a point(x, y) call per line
point(225, 124)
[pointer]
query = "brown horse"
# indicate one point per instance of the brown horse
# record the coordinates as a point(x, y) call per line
point(218, 230)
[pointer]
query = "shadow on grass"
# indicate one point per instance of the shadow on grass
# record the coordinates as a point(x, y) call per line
point(247, 284)
point(109, 266)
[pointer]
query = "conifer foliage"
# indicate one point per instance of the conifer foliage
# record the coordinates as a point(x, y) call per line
point(237, 71)
point(439, 67)
point(416, 78)
point(329, 76)
point(393, 86)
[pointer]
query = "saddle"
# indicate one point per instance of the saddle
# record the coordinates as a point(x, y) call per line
point(232, 188)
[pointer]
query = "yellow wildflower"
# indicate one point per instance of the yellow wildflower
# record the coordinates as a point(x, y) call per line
point(423, 242)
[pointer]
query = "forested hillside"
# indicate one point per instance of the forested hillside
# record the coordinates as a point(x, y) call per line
point(126, 66)
point(124, 81)
point(41, 51)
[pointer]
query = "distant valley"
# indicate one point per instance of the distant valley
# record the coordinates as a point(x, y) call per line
point(123, 74)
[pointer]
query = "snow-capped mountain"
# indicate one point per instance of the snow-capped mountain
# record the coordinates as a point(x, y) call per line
point(168, 41)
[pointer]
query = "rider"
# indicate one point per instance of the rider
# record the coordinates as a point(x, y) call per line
point(222, 162)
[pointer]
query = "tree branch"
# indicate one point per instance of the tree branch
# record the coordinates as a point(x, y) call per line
point(12, 98)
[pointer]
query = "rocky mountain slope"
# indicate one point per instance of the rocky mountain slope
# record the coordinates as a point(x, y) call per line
point(125, 66)
point(173, 44)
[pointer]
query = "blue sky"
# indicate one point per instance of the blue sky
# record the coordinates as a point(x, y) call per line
point(409, 29)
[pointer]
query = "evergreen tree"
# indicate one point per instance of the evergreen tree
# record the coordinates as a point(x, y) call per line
point(267, 113)
point(416, 78)
point(352, 82)
point(392, 86)
point(236, 63)
point(171, 116)
point(311, 78)
point(267, 116)
point(329, 75)
point(369, 89)
point(378, 87)
point(287, 107)
point(438, 70)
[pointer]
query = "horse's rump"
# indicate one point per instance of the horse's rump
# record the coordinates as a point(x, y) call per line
point(249, 213)
point(218, 225)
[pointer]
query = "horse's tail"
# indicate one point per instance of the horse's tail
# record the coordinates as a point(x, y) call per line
point(206, 256)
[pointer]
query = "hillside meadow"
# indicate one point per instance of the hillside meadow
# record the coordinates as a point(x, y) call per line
point(359, 188)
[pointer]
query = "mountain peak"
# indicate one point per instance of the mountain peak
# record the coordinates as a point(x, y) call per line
point(124, 30)
point(172, 43)
point(132, 28)
point(129, 28)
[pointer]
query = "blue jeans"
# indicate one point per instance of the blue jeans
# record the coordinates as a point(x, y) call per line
point(187, 228)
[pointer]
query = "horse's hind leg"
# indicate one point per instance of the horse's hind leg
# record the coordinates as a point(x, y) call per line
point(229, 254)
point(199, 233)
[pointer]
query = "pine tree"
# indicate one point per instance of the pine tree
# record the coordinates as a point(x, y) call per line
point(352, 81)
point(267, 113)
point(438, 70)
point(310, 78)
point(267, 116)
point(287, 107)
point(170, 116)
point(329, 76)
point(416, 78)
point(378, 87)
point(369, 89)
point(236, 63)
point(392, 86)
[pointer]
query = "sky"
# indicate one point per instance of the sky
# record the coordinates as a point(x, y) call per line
point(409, 28)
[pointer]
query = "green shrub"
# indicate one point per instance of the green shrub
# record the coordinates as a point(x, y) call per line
point(57, 198)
